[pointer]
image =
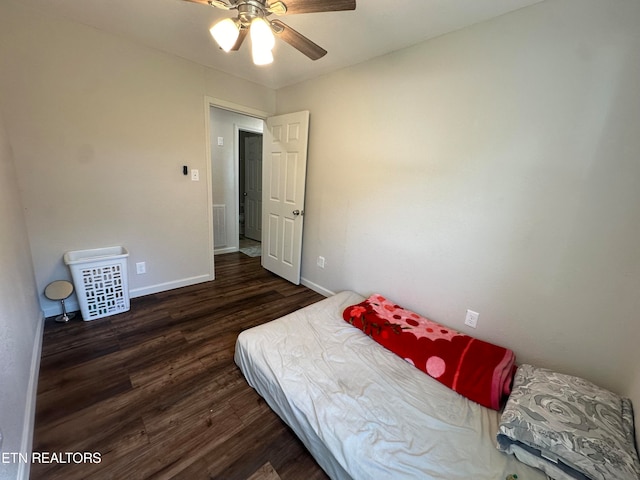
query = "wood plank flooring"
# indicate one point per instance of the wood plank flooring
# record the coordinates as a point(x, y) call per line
point(156, 392)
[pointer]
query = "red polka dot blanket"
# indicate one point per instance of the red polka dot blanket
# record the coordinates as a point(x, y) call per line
point(480, 371)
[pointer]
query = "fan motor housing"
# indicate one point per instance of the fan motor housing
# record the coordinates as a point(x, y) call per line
point(250, 9)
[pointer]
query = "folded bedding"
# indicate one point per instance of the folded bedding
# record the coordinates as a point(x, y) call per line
point(479, 370)
point(568, 427)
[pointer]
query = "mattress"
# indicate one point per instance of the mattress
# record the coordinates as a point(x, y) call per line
point(362, 411)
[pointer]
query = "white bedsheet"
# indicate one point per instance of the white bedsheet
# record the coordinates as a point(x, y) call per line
point(363, 412)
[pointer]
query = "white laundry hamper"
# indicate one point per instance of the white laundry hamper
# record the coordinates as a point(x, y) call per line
point(100, 279)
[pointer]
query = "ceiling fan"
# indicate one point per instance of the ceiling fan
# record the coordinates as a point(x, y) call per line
point(229, 33)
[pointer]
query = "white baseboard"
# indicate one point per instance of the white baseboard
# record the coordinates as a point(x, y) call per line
point(219, 251)
point(54, 309)
point(72, 304)
point(26, 444)
point(163, 287)
point(316, 288)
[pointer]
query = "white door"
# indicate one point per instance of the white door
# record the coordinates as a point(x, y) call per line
point(253, 187)
point(284, 169)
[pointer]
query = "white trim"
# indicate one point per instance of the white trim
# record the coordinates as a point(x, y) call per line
point(237, 127)
point(54, 309)
point(163, 287)
point(235, 107)
point(316, 288)
point(208, 168)
point(222, 250)
point(26, 444)
point(72, 305)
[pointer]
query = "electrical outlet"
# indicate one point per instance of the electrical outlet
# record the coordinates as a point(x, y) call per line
point(195, 175)
point(141, 267)
point(471, 319)
point(320, 262)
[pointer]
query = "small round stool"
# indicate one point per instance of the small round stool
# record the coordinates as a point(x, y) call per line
point(60, 290)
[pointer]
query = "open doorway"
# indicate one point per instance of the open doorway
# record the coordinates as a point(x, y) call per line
point(250, 190)
point(285, 188)
point(225, 129)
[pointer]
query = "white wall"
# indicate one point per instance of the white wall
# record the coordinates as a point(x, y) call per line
point(20, 320)
point(224, 172)
point(101, 128)
point(495, 168)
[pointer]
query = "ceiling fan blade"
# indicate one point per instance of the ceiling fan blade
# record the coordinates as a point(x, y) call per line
point(225, 4)
point(313, 6)
point(297, 40)
point(241, 36)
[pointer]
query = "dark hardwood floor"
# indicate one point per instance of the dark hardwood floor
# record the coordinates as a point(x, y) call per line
point(156, 392)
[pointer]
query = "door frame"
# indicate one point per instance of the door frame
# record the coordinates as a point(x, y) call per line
point(233, 107)
point(237, 128)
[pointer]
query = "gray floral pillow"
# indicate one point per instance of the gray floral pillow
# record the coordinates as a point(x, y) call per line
point(568, 427)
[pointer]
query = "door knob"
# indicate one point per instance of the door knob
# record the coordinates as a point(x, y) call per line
point(296, 212)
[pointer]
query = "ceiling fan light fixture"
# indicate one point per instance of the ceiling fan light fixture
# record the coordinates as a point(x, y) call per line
point(261, 34)
point(253, 20)
point(225, 33)
point(261, 56)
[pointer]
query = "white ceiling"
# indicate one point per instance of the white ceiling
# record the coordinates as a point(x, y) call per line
point(375, 28)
